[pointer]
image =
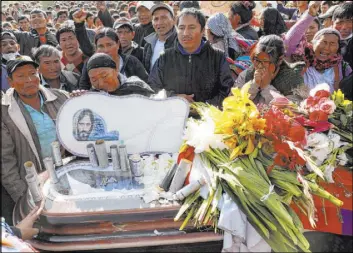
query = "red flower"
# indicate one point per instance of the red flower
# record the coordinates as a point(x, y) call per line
point(318, 126)
point(322, 94)
point(318, 115)
point(286, 156)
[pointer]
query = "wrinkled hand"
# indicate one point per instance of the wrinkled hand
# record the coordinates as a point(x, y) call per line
point(77, 93)
point(79, 16)
point(314, 7)
point(189, 98)
point(26, 225)
point(101, 5)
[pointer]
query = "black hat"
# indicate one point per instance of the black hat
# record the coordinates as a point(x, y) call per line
point(19, 61)
point(100, 60)
point(8, 35)
point(329, 12)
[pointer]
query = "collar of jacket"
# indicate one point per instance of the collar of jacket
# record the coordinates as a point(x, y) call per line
point(153, 37)
point(203, 45)
point(8, 98)
point(133, 46)
point(17, 117)
point(62, 79)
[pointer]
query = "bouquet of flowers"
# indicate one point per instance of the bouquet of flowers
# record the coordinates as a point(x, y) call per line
point(262, 158)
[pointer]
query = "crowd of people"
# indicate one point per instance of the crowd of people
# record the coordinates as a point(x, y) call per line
point(126, 47)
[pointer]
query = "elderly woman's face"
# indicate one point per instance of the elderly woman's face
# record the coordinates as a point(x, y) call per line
point(325, 46)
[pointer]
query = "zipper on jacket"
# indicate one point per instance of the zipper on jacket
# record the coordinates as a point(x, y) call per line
point(190, 58)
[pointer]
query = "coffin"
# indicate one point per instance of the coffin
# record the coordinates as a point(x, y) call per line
point(90, 208)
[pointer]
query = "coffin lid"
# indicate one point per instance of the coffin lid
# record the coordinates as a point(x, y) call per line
point(145, 125)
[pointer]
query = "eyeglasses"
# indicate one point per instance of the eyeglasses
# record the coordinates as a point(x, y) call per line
point(257, 62)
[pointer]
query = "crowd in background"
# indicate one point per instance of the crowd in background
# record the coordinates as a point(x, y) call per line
point(125, 47)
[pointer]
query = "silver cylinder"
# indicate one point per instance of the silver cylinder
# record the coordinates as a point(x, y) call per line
point(49, 165)
point(189, 189)
point(34, 187)
point(30, 169)
point(102, 154)
point(136, 165)
point(124, 160)
point(92, 155)
point(114, 153)
point(180, 175)
point(55, 149)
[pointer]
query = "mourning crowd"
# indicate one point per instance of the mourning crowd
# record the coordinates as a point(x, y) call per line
point(49, 55)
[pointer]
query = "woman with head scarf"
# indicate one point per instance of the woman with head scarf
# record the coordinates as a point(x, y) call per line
point(221, 35)
point(323, 58)
point(271, 22)
point(270, 75)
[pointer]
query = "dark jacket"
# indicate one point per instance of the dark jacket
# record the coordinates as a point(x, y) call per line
point(133, 85)
point(151, 41)
point(106, 18)
point(142, 31)
point(68, 81)
point(347, 51)
point(346, 87)
point(131, 67)
point(29, 40)
point(205, 74)
point(248, 33)
point(20, 142)
point(135, 50)
point(83, 38)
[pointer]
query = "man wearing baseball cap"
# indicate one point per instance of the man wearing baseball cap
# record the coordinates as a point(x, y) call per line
point(9, 50)
point(326, 18)
point(28, 112)
point(164, 36)
point(144, 28)
point(126, 33)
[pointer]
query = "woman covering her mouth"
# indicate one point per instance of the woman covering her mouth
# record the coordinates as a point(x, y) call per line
point(323, 58)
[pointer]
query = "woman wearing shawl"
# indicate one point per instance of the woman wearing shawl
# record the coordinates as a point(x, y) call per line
point(271, 22)
point(221, 35)
point(324, 62)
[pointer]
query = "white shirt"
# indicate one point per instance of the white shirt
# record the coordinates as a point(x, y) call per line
point(158, 49)
point(312, 77)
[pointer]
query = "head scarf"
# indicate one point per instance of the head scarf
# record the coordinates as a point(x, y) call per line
point(273, 22)
point(310, 57)
point(221, 27)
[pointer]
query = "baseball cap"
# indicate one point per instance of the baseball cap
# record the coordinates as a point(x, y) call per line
point(8, 35)
point(123, 22)
point(100, 60)
point(19, 61)
point(329, 12)
point(146, 4)
point(162, 6)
